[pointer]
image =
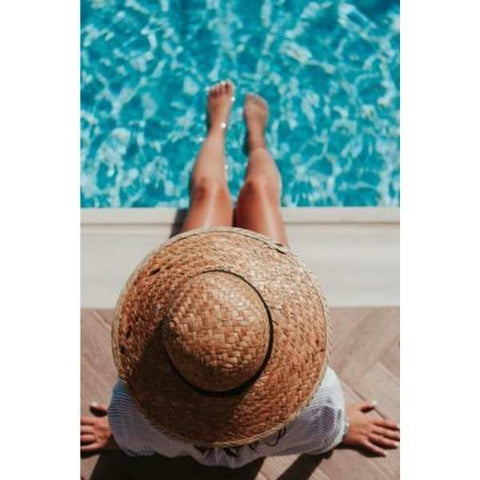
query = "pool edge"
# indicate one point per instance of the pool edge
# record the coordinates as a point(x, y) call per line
point(291, 215)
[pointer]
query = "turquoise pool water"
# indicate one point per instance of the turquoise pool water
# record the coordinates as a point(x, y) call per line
point(329, 70)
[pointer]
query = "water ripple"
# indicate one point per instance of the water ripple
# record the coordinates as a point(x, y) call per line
point(329, 70)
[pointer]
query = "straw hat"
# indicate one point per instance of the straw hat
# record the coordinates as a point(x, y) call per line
point(222, 336)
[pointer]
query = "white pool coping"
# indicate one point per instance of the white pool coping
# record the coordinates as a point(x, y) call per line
point(354, 252)
point(162, 216)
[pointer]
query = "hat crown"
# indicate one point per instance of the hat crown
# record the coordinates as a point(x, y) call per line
point(217, 331)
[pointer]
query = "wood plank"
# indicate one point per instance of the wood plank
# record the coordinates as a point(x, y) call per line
point(348, 464)
point(292, 467)
point(366, 336)
point(344, 321)
point(391, 357)
point(105, 315)
point(118, 466)
point(382, 385)
point(273, 467)
point(97, 376)
point(98, 371)
point(390, 464)
point(353, 356)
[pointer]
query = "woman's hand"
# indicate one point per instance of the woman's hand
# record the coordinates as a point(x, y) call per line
point(95, 433)
point(369, 433)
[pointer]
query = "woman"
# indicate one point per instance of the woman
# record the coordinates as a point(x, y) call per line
point(317, 423)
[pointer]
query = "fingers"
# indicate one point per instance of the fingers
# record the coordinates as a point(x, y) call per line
point(374, 449)
point(383, 442)
point(98, 409)
point(367, 406)
point(86, 429)
point(388, 433)
point(92, 447)
point(87, 439)
point(87, 421)
point(87, 435)
point(384, 422)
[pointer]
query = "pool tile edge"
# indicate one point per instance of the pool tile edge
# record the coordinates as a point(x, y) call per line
point(163, 216)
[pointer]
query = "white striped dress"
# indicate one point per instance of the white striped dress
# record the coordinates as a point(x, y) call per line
point(319, 428)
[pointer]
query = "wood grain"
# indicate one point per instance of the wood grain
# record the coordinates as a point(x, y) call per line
point(365, 356)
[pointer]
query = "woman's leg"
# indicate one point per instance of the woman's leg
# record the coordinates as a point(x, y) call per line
point(210, 201)
point(258, 205)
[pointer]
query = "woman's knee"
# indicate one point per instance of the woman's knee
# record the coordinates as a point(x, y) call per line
point(208, 188)
point(260, 187)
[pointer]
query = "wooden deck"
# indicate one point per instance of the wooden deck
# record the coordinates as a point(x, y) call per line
point(365, 356)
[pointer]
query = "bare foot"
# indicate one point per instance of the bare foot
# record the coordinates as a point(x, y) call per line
point(256, 115)
point(370, 433)
point(95, 433)
point(219, 103)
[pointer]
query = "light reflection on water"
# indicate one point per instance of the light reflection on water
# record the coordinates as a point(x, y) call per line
point(329, 70)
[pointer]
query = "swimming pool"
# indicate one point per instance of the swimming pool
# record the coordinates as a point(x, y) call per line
point(329, 71)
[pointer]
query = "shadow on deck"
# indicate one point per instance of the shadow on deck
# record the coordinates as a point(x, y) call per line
point(118, 466)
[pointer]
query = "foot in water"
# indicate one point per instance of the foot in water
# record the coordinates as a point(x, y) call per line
point(219, 104)
point(370, 433)
point(256, 115)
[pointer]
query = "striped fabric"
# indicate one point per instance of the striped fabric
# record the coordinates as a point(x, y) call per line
point(319, 428)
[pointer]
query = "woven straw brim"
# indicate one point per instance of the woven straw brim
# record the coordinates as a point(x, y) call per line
point(299, 350)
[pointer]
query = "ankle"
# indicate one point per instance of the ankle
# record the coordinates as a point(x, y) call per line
point(256, 140)
point(216, 130)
